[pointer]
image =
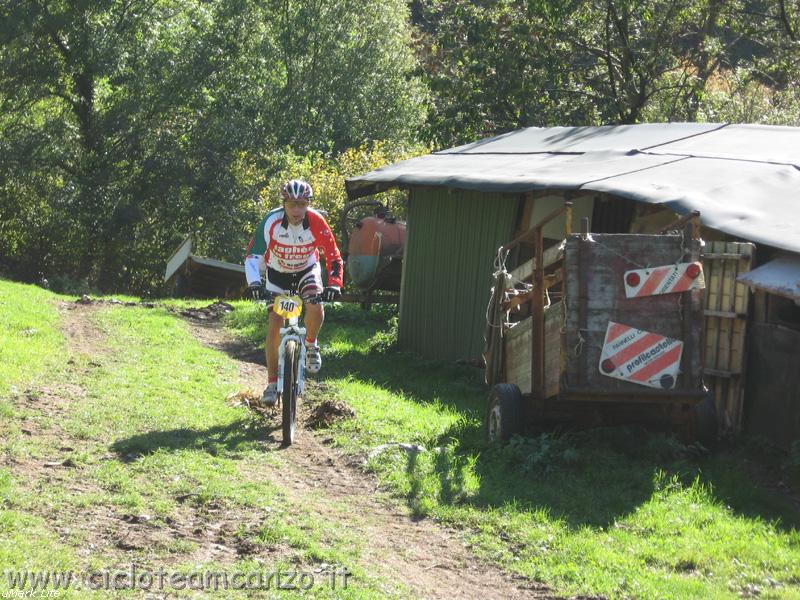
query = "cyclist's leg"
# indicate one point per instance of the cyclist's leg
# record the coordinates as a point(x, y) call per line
point(272, 343)
point(310, 286)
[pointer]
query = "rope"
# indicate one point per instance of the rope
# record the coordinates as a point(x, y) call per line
point(639, 265)
point(622, 256)
point(589, 339)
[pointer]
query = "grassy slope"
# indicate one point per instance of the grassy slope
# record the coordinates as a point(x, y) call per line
point(612, 511)
point(151, 430)
point(31, 348)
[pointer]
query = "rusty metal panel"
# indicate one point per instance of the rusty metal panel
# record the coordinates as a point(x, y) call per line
point(595, 295)
point(453, 237)
point(773, 383)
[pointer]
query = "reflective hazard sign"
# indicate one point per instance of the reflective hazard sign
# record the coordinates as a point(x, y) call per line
point(668, 279)
point(640, 356)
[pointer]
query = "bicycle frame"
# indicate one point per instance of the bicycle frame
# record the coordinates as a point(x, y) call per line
point(292, 332)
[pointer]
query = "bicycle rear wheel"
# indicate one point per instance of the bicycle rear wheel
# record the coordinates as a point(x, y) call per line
point(291, 360)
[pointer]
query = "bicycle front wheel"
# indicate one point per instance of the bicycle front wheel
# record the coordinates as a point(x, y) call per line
point(291, 361)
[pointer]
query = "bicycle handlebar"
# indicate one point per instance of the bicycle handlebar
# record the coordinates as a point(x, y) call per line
point(268, 297)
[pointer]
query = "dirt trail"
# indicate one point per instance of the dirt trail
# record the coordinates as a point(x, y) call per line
point(431, 560)
point(210, 530)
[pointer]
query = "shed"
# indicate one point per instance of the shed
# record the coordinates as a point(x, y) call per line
point(465, 202)
point(200, 277)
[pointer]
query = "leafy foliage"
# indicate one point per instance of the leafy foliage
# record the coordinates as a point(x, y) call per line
point(123, 124)
point(503, 64)
point(127, 124)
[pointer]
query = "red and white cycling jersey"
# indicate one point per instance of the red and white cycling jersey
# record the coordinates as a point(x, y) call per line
point(292, 248)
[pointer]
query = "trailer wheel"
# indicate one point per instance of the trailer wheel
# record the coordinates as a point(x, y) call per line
point(504, 415)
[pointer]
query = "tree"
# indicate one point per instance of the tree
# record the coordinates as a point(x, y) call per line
point(123, 121)
point(498, 65)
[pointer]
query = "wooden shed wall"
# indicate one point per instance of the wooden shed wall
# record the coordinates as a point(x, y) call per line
point(772, 406)
point(453, 236)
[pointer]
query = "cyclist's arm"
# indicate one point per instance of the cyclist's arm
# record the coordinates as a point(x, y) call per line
point(333, 258)
point(254, 262)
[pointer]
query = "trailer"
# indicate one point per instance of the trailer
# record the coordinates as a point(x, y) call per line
point(596, 329)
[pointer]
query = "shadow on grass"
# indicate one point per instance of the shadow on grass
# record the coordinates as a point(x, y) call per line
point(423, 381)
point(589, 478)
point(229, 440)
point(593, 478)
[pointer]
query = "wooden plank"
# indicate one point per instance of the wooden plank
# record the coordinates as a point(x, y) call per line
point(738, 340)
point(727, 304)
point(179, 257)
point(723, 314)
point(733, 390)
point(525, 271)
point(554, 319)
point(773, 389)
point(718, 373)
point(517, 347)
point(713, 287)
point(721, 255)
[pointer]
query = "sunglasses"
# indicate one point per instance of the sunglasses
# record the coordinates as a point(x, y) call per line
point(297, 203)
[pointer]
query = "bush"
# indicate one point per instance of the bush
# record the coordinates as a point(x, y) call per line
point(326, 173)
point(386, 340)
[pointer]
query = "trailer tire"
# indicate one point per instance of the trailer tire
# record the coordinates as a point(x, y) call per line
point(504, 416)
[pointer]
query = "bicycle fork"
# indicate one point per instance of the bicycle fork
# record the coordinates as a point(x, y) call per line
point(297, 334)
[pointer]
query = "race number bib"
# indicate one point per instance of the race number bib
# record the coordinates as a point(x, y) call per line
point(288, 307)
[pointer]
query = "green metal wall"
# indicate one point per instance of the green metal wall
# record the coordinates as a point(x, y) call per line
point(452, 239)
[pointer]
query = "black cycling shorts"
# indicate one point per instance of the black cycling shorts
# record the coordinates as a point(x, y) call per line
point(307, 283)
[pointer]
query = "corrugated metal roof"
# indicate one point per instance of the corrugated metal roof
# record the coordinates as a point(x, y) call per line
point(780, 276)
point(744, 179)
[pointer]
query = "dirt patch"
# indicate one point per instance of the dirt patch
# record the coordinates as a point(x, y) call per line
point(324, 414)
point(78, 327)
point(433, 561)
point(776, 479)
point(212, 312)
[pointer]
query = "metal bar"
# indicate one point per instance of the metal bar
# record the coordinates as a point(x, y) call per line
point(725, 255)
point(537, 368)
point(583, 298)
point(695, 214)
point(687, 312)
point(645, 394)
point(724, 314)
point(531, 233)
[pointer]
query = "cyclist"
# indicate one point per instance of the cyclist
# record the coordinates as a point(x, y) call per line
point(284, 249)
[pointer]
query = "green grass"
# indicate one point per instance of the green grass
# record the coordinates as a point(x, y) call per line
point(32, 349)
point(613, 511)
point(151, 437)
point(31, 342)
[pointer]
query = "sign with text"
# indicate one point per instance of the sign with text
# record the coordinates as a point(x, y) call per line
point(640, 356)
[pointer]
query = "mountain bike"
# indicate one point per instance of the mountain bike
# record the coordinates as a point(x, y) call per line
point(291, 359)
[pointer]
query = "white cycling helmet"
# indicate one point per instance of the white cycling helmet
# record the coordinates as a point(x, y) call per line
point(297, 189)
